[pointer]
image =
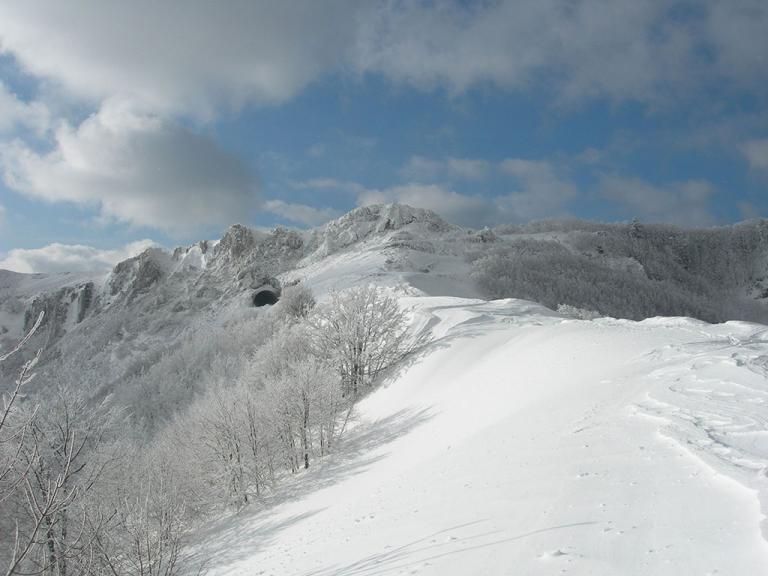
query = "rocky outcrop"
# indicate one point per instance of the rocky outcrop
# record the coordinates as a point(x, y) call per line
point(238, 241)
point(137, 275)
point(367, 221)
point(85, 301)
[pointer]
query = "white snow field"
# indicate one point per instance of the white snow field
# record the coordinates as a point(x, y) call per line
point(524, 443)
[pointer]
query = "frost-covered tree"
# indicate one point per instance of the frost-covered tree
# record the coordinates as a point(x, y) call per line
point(142, 524)
point(297, 301)
point(306, 398)
point(14, 474)
point(303, 391)
point(362, 331)
point(65, 458)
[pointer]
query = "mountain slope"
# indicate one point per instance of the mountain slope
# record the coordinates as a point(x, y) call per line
point(523, 442)
point(119, 325)
point(117, 335)
point(520, 441)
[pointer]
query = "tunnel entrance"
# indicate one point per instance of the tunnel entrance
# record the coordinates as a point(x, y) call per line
point(264, 297)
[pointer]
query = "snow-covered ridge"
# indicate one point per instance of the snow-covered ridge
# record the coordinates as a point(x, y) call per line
point(525, 441)
point(415, 247)
point(155, 300)
point(206, 276)
point(361, 223)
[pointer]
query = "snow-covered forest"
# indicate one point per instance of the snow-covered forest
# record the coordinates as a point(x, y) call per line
point(82, 496)
point(630, 270)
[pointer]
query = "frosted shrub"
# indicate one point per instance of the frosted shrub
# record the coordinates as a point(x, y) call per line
point(578, 313)
point(297, 301)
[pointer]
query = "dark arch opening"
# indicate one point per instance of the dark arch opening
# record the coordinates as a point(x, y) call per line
point(264, 298)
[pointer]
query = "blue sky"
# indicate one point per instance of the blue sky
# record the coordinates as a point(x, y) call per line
point(123, 124)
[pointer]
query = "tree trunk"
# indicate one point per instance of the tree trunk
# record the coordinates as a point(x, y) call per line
point(304, 429)
point(51, 544)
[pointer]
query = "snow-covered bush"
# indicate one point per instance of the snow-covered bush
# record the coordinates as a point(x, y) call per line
point(578, 313)
point(297, 301)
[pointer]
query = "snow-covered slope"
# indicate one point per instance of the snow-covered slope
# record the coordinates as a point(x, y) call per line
point(119, 324)
point(523, 442)
point(520, 441)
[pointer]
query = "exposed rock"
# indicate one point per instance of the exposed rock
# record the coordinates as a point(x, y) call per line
point(84, 301)
point(136, 275)
point(366, 221)
point(237, 241)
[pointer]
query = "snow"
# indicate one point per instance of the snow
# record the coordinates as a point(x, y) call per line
point(17, 292)
point(375, 260)
point(521, 442)
point(193, 258)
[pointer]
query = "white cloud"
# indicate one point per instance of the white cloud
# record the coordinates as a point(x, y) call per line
point(735, 33)
point(14, 113)
point(329, 184)
point(69, 257)
point(622, 49)
point(454, 207)
point(756, 152)
point(191, 55)
point(196, 59)
point(749, 211)
point(424, 169)
point(541, 192)
point(590, 156)
point(136, 168)
point(468, 168)
point(300, 213)
point(317, 150)
point(685, 203)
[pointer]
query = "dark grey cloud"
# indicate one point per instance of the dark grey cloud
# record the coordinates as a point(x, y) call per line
point(136, 168)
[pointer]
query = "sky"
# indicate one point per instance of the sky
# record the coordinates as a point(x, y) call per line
point(128, 124)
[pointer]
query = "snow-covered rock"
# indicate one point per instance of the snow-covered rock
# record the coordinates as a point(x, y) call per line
point(366, 221)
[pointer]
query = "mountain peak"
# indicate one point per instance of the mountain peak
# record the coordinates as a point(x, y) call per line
point(392, 217)
point(366, 221)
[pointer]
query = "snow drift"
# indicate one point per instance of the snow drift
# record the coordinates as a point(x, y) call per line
point(523, 442)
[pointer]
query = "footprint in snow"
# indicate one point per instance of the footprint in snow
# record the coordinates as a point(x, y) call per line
point(553, 554)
